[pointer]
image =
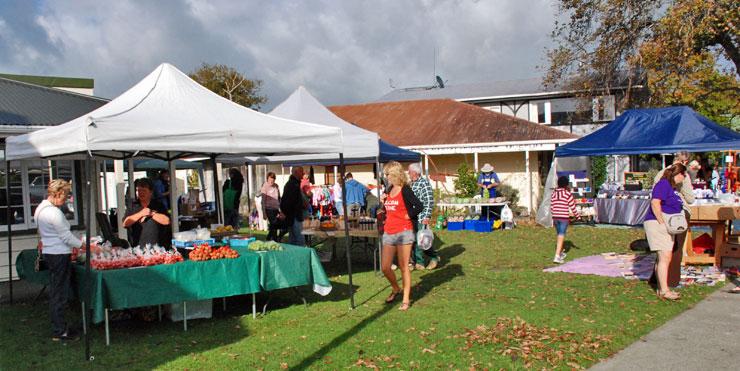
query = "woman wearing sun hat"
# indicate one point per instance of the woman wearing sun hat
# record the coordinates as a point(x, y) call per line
point(487, 181)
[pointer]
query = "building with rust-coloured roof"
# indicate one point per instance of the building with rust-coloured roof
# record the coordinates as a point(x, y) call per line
point(449, 133)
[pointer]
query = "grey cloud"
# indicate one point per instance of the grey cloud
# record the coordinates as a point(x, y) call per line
point(343, 51)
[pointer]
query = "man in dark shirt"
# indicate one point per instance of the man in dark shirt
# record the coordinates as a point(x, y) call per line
point(292, 206)
point(147, 219)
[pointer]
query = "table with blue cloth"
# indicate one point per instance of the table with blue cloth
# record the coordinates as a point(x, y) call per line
point(620, 211)
point(250, 273)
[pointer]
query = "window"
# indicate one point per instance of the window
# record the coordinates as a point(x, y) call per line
point(28, 182)
point(603, 108)
point(541, 117)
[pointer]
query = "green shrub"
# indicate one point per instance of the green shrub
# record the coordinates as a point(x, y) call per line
point(466, 184)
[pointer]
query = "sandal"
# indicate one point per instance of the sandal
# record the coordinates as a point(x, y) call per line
point(669, 295)
point(404, 306)
point(736, 290)
point(392, 297)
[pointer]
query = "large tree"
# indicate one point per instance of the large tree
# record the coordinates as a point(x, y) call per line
point(682, 51)
point(230, 84)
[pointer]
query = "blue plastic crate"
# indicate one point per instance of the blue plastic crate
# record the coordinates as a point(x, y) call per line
point(455, 226)
point(484, 226)
point(470, 224)
point(185, 244)
point(241, 242)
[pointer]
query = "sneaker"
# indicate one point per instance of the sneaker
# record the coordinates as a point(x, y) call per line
point(419, 267)
point(69, 335)
point(411, 267)
point(394, 267)
point(432, 264)
point(558, 260)
point(563, 255)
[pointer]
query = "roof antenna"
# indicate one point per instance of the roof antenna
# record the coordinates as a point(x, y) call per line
point(440, 83)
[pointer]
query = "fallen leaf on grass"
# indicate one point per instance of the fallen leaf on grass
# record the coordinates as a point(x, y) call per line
point(283, 365)
point(427, 350)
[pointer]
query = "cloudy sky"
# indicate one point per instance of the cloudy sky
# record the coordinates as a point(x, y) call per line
point(343, 51)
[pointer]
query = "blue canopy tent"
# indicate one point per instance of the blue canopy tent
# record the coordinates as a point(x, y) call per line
point(389, 152)
point(644, 131)
point(654, 130)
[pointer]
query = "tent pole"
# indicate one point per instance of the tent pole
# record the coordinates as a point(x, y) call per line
point(174, 215)
point(105, 186)
point(216, 189)
point(131, 189)
point(347, 243)
point(380, 235)
point(87, 296)
point(9, 215)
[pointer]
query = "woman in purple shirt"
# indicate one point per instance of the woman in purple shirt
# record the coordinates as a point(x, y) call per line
point(665, 200)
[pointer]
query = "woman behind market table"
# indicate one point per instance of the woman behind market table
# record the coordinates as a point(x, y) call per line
point(57, 244)
point(271, 206)
point(232, 191)
point(665, 200)
point(487, 182)
point(147, 217)
point(401, 209)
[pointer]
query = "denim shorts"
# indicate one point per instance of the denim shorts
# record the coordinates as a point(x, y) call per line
point(561, 226)
point(398, 239)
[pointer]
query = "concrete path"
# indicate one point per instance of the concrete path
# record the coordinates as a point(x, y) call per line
point(706, 337)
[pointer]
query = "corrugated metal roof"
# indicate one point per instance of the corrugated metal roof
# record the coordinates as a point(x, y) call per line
point(28, 104)
point(443, 121)
point(52, 81)
point(500, 90)
point(468, 91)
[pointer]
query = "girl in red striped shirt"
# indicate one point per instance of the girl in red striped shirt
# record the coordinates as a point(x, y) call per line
point(562, 206)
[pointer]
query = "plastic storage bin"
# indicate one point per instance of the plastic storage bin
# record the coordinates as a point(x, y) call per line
point(190, 244)
point(455, 226)
point(194, 309)
point(484, 226)
point(241, 242)
point(470, 225)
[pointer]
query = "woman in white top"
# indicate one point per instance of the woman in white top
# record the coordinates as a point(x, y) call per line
point(57, 242)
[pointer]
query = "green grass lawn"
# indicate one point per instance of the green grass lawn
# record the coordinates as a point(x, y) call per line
point(488, 305)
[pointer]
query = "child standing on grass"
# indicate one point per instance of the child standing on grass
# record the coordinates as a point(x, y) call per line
point(562, 206)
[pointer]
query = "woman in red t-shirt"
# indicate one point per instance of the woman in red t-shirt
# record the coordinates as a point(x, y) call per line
point(401, 209)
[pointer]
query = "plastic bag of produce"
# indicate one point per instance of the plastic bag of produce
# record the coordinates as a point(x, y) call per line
point(425, 237)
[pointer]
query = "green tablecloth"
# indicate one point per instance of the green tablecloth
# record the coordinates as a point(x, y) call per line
point(161, 284)
point(291, 267)
point(190, 280)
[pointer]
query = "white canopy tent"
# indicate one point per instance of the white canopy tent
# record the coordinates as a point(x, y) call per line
point(358, 144)
point(168, 116)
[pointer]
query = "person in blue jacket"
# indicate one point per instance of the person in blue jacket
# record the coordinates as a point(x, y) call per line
point(355, 191)
point(487, 181)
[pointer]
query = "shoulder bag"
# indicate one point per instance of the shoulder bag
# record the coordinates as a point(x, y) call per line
point(675, 223)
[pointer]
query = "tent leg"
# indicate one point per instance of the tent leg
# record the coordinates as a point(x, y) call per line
point(88, 231)
point(346, 234)
point(216, 190)
point(9, 215)
point(380, 236)
point(174, 215)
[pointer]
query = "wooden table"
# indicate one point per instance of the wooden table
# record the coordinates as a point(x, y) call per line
point(716, 216)
point(331, 236)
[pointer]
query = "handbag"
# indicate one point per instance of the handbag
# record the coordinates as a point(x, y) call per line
point(40, 264)
point(676, 223)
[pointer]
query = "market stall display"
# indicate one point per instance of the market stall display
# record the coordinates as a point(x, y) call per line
point(715, 215)
point(621, 207)
point(247, 273)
